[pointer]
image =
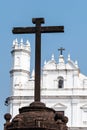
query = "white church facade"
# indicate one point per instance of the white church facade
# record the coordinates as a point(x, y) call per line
point(63, 86)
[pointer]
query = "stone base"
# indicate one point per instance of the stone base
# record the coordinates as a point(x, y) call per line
point(37, 115)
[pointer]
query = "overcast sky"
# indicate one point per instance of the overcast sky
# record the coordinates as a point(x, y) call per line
point(70, 13)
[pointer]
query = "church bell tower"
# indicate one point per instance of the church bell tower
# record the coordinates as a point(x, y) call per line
point(20, 74)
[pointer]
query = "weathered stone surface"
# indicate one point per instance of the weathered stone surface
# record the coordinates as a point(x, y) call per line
point(37, 115)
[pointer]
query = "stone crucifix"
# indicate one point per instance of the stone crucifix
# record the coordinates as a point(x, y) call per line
point(38, 29)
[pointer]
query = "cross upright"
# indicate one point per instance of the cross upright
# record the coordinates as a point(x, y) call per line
point(38, 29)
point(61, 49)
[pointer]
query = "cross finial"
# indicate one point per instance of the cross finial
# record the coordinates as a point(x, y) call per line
point(61, 49)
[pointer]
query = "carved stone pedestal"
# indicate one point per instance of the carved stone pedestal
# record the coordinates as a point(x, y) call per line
point(37, 116)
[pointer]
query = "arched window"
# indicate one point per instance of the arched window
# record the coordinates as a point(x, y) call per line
point(60, 82)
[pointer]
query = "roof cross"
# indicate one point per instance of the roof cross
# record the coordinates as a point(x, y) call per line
point(61, 49)
point(38, 29)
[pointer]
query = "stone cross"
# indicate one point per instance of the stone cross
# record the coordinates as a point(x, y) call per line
point(38, 29)
point(61, 49)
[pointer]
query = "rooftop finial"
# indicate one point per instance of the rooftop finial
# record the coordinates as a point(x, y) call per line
point(45, 62)
point(52, 57)
point(27, 43)
point(21, 42)
point(76, 63)
point(61, 49)
point(16, 41)
point(13, 42)
point(33, 74)
point(68, 57)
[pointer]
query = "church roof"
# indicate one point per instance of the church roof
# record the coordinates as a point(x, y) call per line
point(53, 65)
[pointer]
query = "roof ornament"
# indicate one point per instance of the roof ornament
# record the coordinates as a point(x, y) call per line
point(76, 63)
point(45, 62)
point(33, 74)
point(61, 49)
point(13, 42)
point(52, 58)
point(27, 43)
point(21, 42)
point(68, 57)
point(16, 41)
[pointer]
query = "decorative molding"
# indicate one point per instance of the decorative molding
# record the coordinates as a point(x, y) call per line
point(59, 106)
point(44, 97)
point(84, 107)
point(9, 99)
point(19, 70)
point(20, 50)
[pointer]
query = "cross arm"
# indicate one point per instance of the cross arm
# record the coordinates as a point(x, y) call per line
point(23, 30)
point(47, 29)
point(52, 29)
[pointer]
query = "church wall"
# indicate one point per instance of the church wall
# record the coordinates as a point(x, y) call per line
point(19, 82)
point(50, 78)
point(71, 107)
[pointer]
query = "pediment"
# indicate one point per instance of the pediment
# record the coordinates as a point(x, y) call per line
point(50, 65)
point(71, 65)
point(59, 106)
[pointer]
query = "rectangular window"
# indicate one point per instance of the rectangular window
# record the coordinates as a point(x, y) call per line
point(60, 112)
